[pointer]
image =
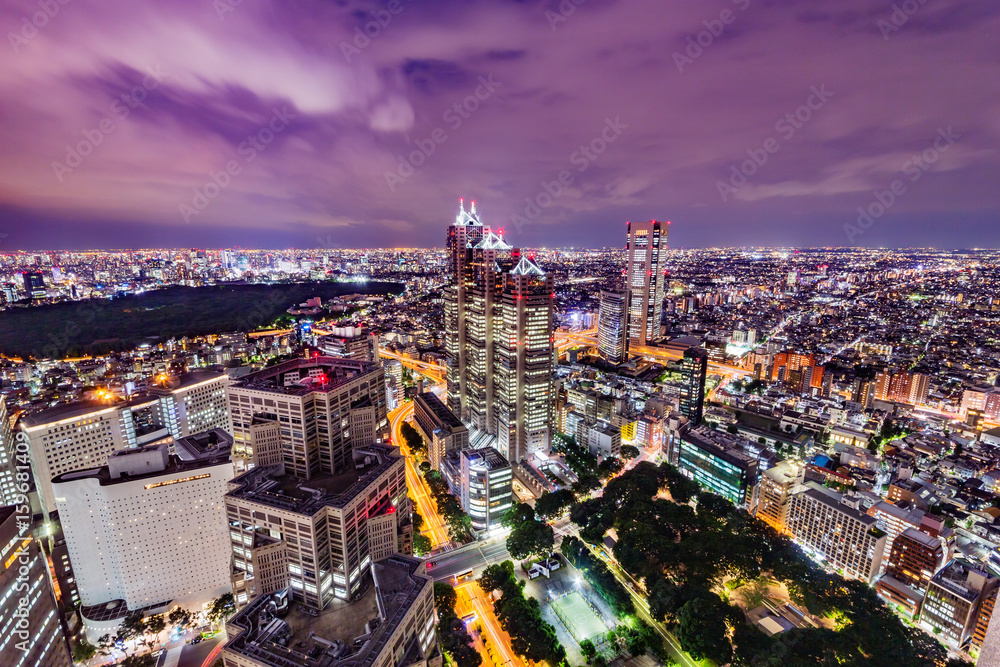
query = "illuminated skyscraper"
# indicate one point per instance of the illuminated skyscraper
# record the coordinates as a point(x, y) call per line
point(467, 231)
point(694, 368)
point(611, 326)
point(647, 256)
point(524, 359)
point(498, 333)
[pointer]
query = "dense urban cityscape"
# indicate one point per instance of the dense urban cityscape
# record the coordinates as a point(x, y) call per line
point(534, 333)
point(560, 455)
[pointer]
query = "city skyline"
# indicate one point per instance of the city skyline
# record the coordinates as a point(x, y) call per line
point(741, 122)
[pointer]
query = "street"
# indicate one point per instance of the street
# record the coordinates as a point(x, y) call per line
point(202, 654)
point(476, 556)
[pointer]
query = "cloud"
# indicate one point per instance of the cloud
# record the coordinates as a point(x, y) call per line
point(354, 119)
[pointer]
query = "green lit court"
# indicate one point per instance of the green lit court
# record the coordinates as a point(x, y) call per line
point(581, 621)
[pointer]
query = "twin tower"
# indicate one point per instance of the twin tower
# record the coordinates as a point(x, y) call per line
point(498, 339)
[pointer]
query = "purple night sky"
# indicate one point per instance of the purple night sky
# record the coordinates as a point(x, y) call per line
point(644, 108)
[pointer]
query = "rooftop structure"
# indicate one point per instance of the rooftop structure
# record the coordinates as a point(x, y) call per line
point(390, 625)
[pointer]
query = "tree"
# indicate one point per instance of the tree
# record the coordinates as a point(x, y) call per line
point(105, 645)
point(702, 629)
point(83, 650)
point(518, 513)
point(588, 649)
point(531, 538)
point(222, 608)
point(422, 544)
point(180, 618)
point(139, 660)
point(413, 439)
point(552, 503)
point(151, 633)
point(445, 597)
point(496, 576)
point(682, 489)
point(133, 626)
point(629, 452)
point(610, 466)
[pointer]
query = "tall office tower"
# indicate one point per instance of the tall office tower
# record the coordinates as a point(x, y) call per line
point(326, 407)
point(484, 271)
point(611, 326)
point(82, 435)
point(148, 530)
point(32, 633)
point(390, 625)
point(522, 381)
point(647, 259)
point(465, 233)
point(902, 387)
point(498, 330)
point(9, 494)
point(694, 369)
point(317, 538)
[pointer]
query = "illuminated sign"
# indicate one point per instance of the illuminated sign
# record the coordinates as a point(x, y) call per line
point(176, 481)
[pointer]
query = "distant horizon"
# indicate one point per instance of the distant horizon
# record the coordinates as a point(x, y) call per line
point(319, 250)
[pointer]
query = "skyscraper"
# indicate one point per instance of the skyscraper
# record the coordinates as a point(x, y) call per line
point(32, 633)
point(498, 337)
point(523, 361)
point(694, 368)
point(611, 326)
point(647, 256)
point(8, 466)
point(465, 233)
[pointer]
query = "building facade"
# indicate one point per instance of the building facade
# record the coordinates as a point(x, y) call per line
point(645, 279)
point(391, 624)
point(443, 431)
point(482, 480)
point(612, 326)
point(325, 407)
point(147, 529)
point(717, 465)
point(498, 339)
point(901, 387)
point(330, 527)
point(913, 559)
point(32, 634)
point(836, 534)
point(954, 597)
point(83, 435)
point(694, 370)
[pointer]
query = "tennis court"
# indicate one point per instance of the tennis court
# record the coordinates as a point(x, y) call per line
point(581, 621)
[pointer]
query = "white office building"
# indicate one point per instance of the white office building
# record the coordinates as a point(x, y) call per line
point(83, 435)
